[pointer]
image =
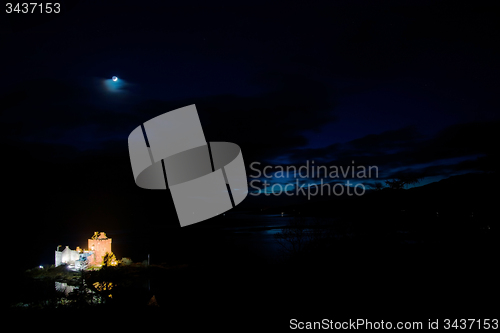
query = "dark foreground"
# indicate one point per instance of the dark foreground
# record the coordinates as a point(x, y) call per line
point(342, 279)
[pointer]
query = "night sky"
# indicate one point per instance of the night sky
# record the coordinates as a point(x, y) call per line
point(411, 87)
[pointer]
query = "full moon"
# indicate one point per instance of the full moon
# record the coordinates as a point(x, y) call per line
point(114, 78)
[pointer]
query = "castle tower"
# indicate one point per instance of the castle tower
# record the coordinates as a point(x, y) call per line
point(58, 257)
point(99, 244)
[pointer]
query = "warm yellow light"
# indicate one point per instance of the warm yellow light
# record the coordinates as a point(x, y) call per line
point(101, 286)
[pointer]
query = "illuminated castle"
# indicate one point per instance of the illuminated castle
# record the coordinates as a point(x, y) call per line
point(99, 245)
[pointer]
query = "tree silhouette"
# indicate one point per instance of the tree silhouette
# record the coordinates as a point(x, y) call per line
point(403, 182)
point(109, 259)
point(412, 180)
point(395, 184)
point(377, 186)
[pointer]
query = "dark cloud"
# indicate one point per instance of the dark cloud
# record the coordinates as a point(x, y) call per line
point(268, 126)
point(54, 111)
point(264, 124)
point(386, 141)
point(457, 148)
point(63, 113)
